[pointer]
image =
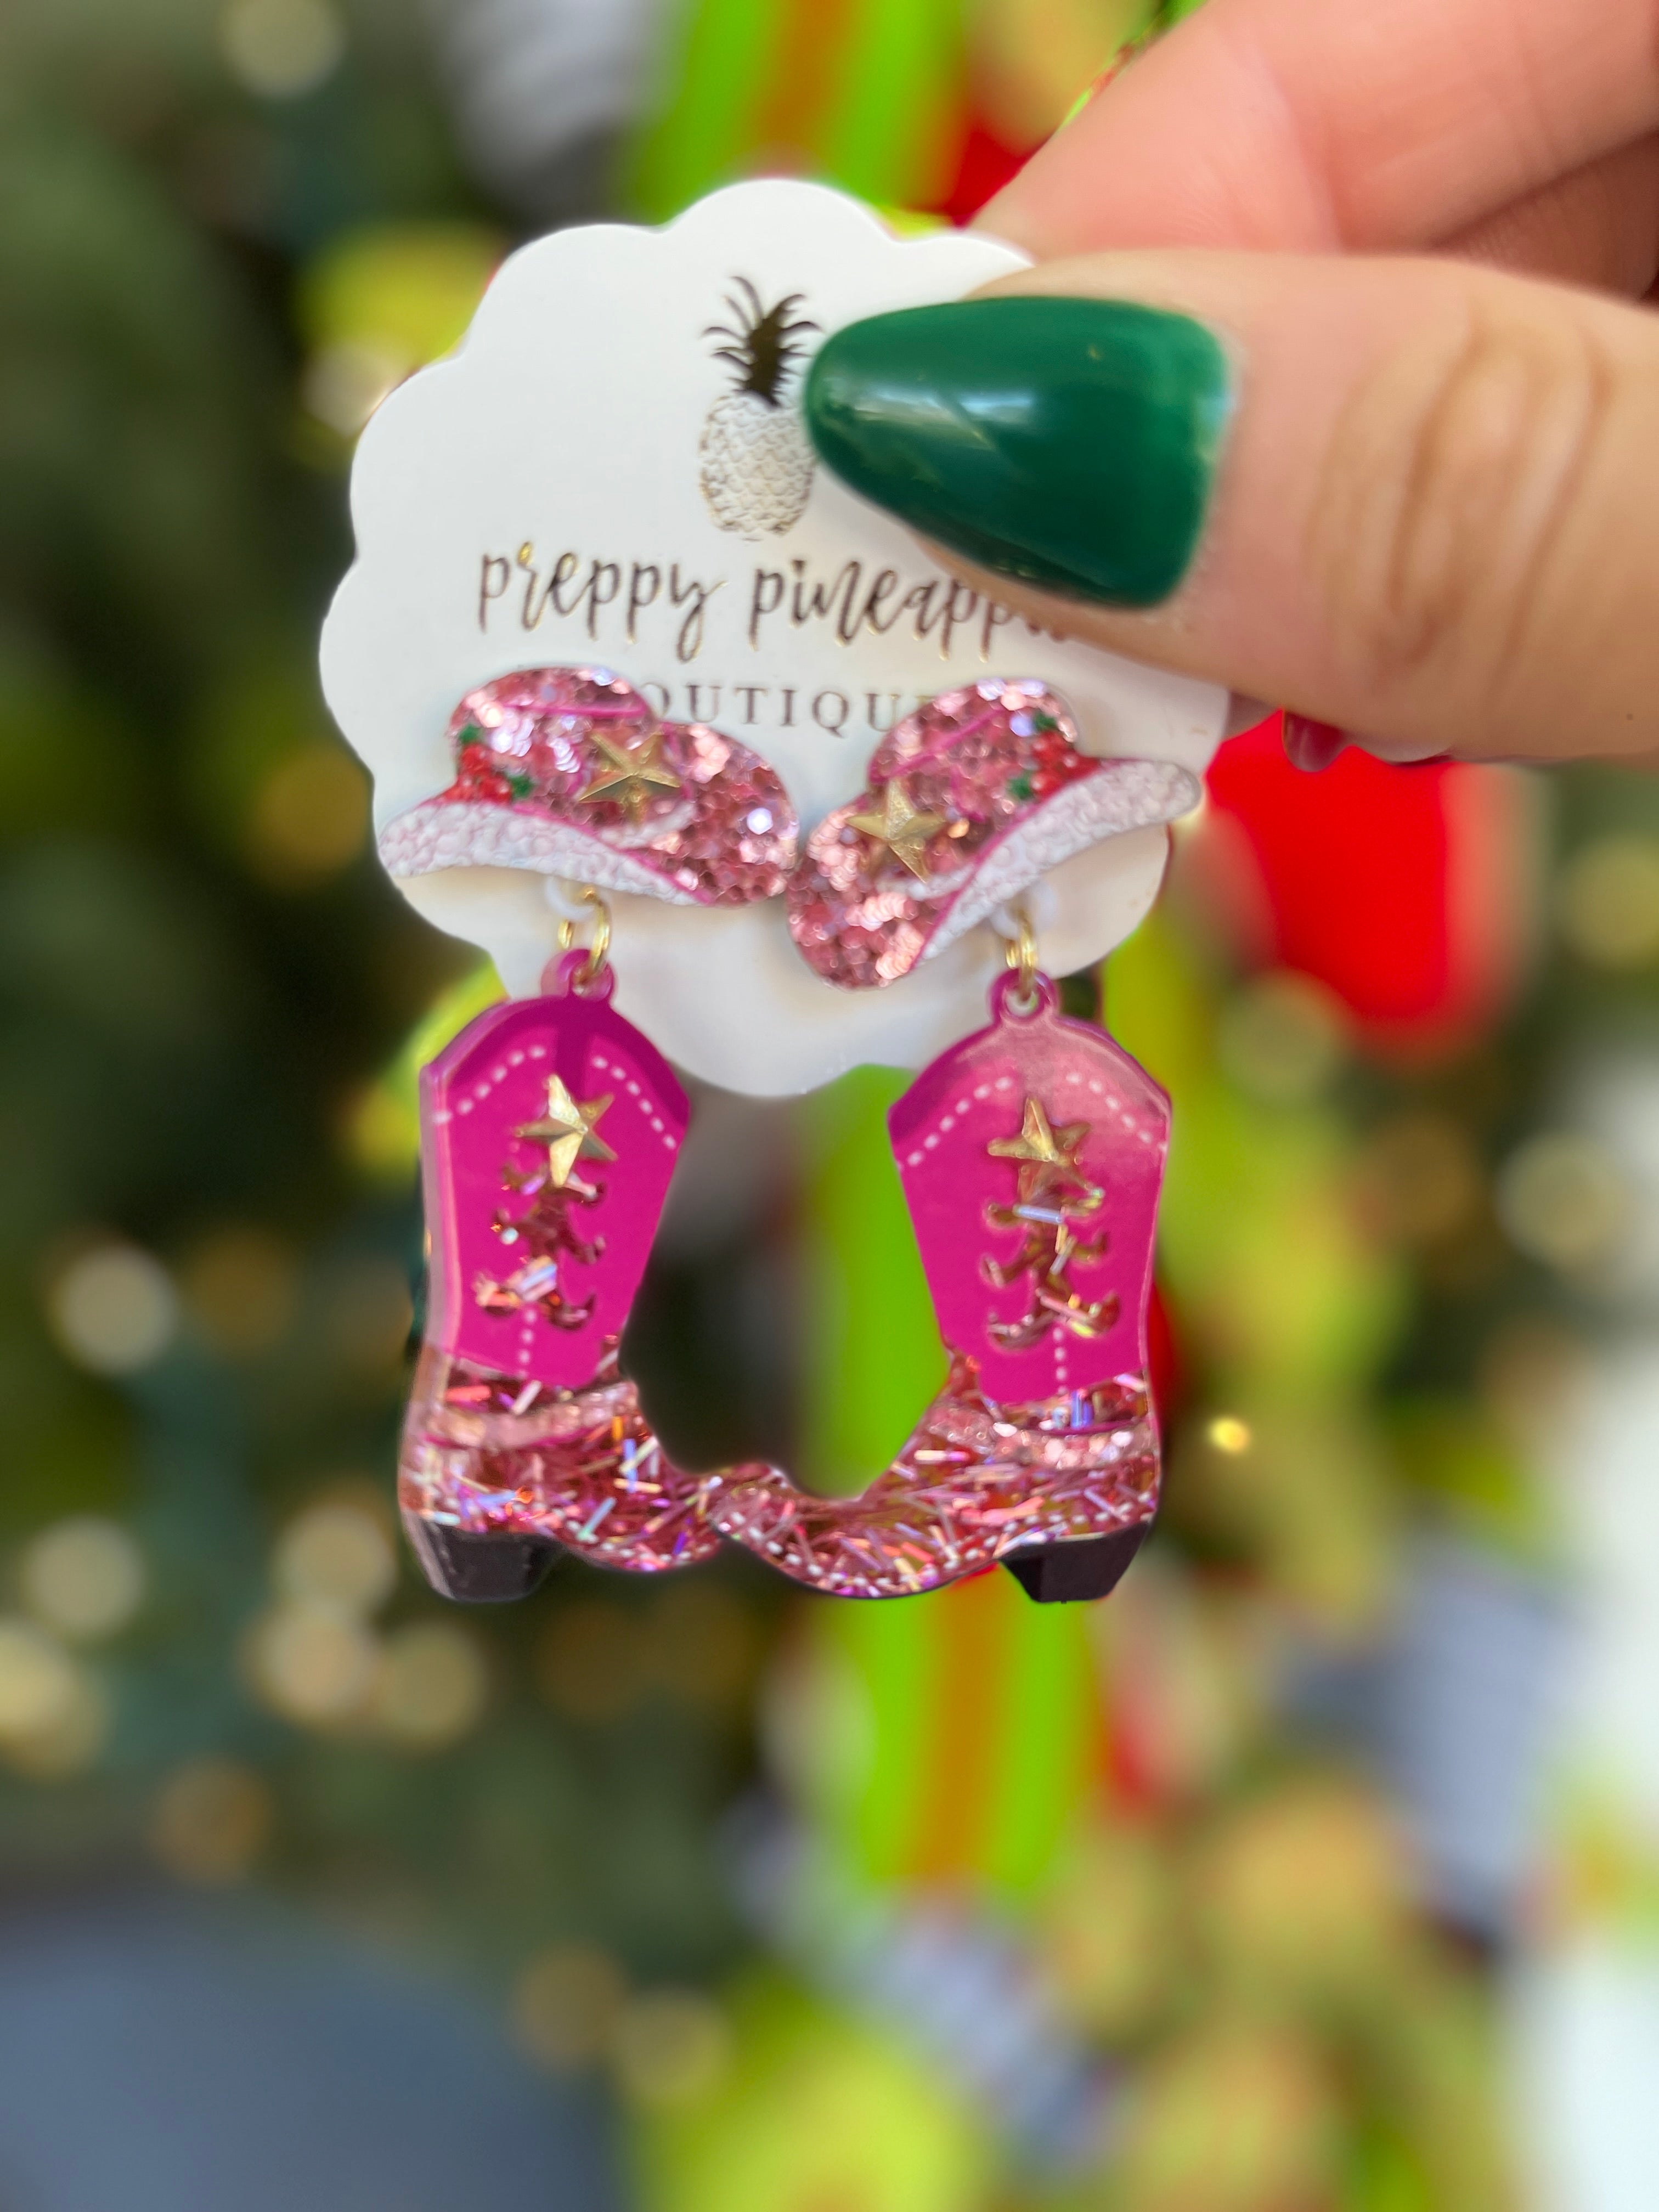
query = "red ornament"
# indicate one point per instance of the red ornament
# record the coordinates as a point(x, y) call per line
point(1405, 889)
point(985, 164)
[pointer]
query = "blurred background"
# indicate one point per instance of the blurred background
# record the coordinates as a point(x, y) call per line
point(1318, 1872)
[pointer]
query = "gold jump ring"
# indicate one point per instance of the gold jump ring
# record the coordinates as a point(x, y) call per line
point(600, 947)
point(1022, 953)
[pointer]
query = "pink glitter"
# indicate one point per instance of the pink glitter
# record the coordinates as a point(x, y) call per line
point(526, 748)
point(998, 765)
point(1037, 1134)
point(975, 1480)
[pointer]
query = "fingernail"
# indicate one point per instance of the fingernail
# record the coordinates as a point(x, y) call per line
point(1311, 745)
point(1070, 444)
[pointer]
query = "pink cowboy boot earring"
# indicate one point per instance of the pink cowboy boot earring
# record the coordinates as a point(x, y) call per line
point(550, 1128)
point(1032, 1157)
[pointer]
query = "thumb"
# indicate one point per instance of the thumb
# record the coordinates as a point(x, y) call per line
point(1407, 497)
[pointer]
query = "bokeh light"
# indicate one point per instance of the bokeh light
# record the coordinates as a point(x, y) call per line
point(84, 1577)
point(279, 49)
point(345, 383)
point(1531, 1366)
point(432, 1687)
point(52, 1720)
point(1283, 1038)
point(309, 817)
point(383, 301)
point(1237, 2118)
point(566, 2005)
point(1109, 1935)
point(1302, 1893)
point(240, 1284)
point(1421, 1178)
point(1562, 1199)
point(1227, 1433)
point(672, 2047)
point(313, 1666)
point(1607, 900)
point(210, 1820)
point(337, 1554)
point(112, 1309)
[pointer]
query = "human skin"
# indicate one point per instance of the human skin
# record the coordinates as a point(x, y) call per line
point(1426, 234)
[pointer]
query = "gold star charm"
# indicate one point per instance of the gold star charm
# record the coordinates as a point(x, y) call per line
point(1041, 1147)
point(901, 828)
point(567, 1130)
point(634, 775)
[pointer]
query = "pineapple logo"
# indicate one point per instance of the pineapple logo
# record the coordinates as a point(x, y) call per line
point(756, 465)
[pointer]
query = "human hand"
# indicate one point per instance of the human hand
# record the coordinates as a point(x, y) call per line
point(1411, 497)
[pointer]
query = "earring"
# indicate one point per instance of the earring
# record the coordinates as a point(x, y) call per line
point(969, 803)
point(1030, 1156)
point(550, 1126)
point(550, 1131)
point(569, 771)
point(1031, 1159)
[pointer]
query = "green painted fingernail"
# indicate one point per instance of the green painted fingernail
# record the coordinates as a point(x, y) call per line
point(1069, 443)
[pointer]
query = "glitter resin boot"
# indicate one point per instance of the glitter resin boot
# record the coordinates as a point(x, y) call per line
point(550, 1131)
point(1031, 1155)
point(1032, 1158)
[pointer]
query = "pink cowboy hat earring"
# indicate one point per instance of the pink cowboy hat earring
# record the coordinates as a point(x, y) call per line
point(568, 771)
point(969, 803)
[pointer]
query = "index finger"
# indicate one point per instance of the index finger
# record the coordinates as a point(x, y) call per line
point(1332, 124)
